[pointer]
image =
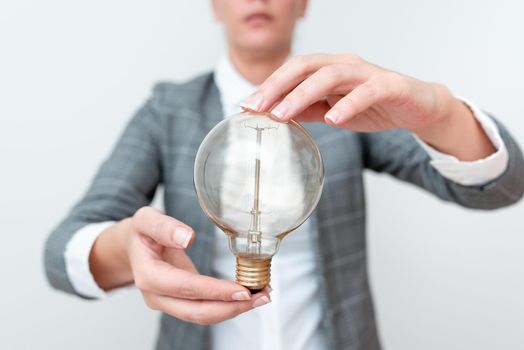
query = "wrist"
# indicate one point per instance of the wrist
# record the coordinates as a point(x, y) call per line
point(109, 259)
point(446, 110)
point(455, 131)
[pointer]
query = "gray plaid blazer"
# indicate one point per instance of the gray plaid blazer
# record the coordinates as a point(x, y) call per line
point(159, 146)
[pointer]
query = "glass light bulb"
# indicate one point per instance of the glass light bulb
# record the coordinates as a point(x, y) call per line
point(257, 180)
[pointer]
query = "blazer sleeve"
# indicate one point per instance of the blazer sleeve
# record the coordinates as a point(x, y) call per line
point(126, 181)
point(397, 152)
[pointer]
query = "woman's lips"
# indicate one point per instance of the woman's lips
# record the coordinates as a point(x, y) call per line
point(258, 18)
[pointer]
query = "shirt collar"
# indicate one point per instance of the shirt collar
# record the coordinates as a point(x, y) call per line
point(233, 87)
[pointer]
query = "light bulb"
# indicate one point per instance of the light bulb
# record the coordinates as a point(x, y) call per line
point(258, 180)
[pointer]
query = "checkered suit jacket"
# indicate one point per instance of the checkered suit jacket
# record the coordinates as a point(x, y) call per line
point(159, 146)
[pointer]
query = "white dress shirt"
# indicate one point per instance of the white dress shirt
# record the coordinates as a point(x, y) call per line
point(292, 320)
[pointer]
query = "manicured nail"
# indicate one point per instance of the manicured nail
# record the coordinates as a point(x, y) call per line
point(333, 116)
point(269, 289)
point(253, 102)
point(281, 110)
point(182, 236)
point(241, 296)
point(261, 301)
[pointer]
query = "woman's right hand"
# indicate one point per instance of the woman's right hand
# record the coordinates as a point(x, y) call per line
point(154, 246)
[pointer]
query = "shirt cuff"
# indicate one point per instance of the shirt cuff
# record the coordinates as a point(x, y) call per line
point(472, 173)
point(76, 257)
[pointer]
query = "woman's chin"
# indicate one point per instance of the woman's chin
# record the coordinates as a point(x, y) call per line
point(264, 45)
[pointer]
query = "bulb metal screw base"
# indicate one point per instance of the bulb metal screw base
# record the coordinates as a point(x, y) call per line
point(254, 274)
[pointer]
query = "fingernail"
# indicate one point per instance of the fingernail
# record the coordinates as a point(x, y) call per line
point(281, 110)
point(253, 102)
point(261, 301)
point(332, 116)
point(182, 236)
point(241, 296)
point(269, 289)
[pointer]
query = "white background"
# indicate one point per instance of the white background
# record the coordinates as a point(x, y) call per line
point(72, 73)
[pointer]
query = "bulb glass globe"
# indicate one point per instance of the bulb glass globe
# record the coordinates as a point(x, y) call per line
point(258, 180)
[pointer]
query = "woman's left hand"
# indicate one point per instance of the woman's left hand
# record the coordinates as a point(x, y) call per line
point(346, 91)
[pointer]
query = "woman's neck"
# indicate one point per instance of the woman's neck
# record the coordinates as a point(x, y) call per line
point(255, 67)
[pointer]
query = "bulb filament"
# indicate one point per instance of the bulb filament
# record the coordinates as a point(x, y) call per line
point(254, 237)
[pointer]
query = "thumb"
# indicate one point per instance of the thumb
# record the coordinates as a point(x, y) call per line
point(162, 228)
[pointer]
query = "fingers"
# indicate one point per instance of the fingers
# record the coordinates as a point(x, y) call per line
point(314, 113)
point(159, 277)
point(164, 229)
point(317, 111)
point(178, 277)
point(329, 80)
point(288, 76)
point(376, 90)
point(178, 258)
point(333, 99)
point(204, 312)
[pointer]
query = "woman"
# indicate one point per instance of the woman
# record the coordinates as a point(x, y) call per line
point(321, 298)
